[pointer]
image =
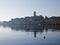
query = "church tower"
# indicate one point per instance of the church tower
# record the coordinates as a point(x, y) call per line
point(34, 13)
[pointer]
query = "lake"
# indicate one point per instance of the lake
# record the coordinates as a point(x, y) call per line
point(46, 36)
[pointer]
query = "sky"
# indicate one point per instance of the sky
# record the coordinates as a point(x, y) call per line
point(22, 8)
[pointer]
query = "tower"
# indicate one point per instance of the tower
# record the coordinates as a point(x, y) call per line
point(34, 13)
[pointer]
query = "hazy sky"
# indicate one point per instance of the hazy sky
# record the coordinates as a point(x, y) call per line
point(22, 8)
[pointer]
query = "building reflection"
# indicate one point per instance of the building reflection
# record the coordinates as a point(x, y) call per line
point(35, 34)
point(36, 29)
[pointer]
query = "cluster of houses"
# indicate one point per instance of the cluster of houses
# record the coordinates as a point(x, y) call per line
point(34, 21)
point(52, 20)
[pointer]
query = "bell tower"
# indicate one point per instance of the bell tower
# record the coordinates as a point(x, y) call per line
point(34, 13)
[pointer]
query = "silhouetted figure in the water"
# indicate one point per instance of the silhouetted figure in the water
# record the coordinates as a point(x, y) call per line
point(44, 37)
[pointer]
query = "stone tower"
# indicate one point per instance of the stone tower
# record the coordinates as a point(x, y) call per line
point(34, 13)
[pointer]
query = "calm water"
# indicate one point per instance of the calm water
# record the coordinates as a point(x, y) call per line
point(9, 36)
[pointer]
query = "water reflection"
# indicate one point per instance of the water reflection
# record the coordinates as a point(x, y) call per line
point(35, 29)
point(34, 35)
